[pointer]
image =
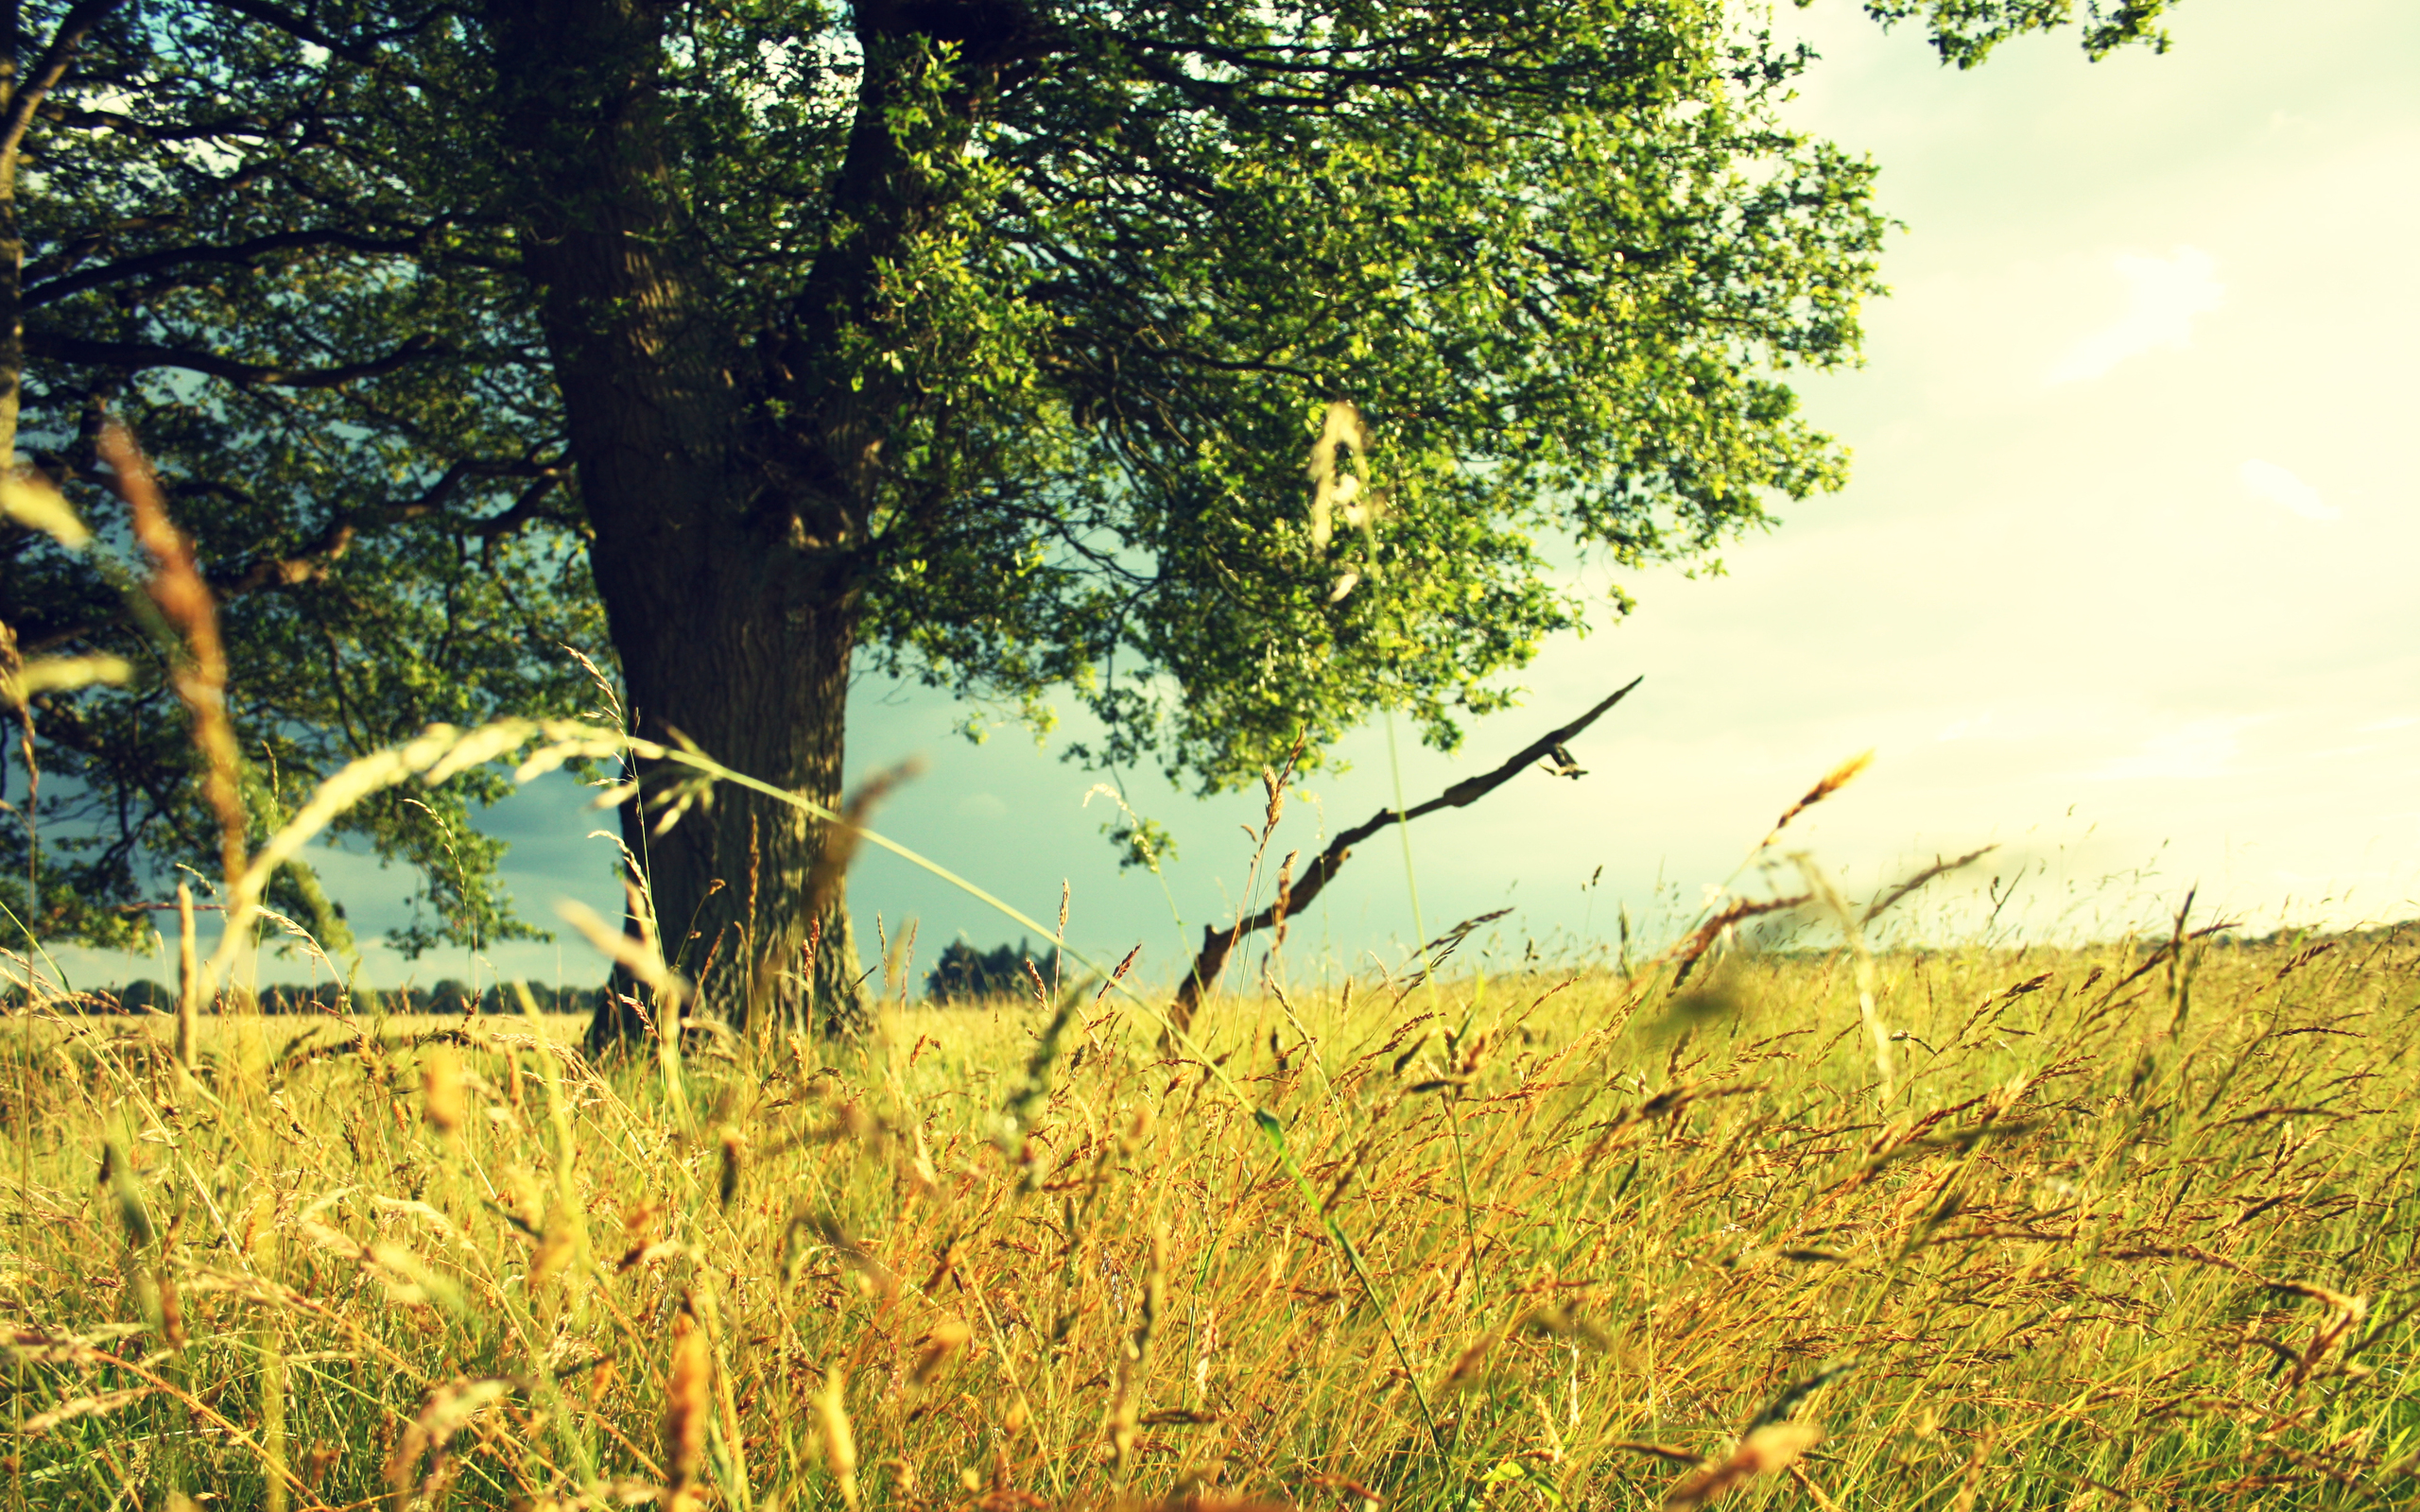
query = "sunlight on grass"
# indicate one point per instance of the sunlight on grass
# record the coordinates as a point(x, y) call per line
point(2139, 1233)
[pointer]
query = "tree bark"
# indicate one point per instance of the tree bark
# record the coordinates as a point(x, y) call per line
point(734, 616)
point(763, 687)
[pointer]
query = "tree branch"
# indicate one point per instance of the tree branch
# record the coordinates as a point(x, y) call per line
point(56, 58)
point(239, 255)
point(1217, 943)
point(309, 562)
point(131, 355)
point(81, 118)
point(300, 28)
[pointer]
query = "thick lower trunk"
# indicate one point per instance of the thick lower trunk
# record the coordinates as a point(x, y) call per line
point(727, 584)
point(762, 688)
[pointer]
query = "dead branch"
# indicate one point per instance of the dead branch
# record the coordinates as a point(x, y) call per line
point(1218, 944)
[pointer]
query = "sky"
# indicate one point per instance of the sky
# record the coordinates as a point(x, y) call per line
point(2121, 585)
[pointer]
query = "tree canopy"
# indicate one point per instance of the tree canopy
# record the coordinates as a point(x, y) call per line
point(980, 341)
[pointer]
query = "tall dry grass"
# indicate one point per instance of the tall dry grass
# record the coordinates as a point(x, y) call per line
point(2131, 1228)
point(1953, 1229)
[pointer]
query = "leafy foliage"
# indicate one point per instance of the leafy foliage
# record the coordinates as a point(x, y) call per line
point(1966, 31)
point(1069, 289)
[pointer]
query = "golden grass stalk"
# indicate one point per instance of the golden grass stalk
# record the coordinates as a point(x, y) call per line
point(1767, 1451)
point(437, 753)
point(1833, 780)
point(27, 497)
point(99, 1405)
point(1470, 1366)
point(444, 1413)
point(840, 1439)
point(643, 958)
point(1694, 945)
point(272, 1404)
point(1124, 1410)
point(28, 681)
point(443, 1100)
point(842, 831)
point(685, 1410)
point(176, 586)
point(190, 985)
point(1890, 897)
point(940, 1342)
point(635, 953)
point(1853, 931)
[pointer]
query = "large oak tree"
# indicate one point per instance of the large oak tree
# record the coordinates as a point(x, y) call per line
point(981, 341)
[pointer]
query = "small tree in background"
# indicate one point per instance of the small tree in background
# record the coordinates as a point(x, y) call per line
point(145, 995)
point(965, 974)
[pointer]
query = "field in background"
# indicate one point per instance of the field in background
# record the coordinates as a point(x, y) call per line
point(2116, 1227)
point(236, 1036)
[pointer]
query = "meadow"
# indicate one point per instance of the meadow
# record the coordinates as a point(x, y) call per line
point(2124, 1225)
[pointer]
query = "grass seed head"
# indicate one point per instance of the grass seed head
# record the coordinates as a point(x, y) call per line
point(1833, 780)
point(1470, 1366)
point(734, 1157)
point(944, 1339)
point(839, 1442)
point(1767, 1451)
point(686, 1409)
point(443, 1100)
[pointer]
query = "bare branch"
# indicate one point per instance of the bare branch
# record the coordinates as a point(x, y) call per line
point(301, 28)
point(128, 355)
point(83, 118)
point(242, 254)
point(1218, 943)
point(56, 58)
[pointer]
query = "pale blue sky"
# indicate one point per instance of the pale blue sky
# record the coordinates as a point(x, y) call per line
point(2122, 582)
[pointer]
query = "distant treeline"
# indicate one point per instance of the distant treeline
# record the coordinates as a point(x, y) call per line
point(447, 996)
point(963, 975)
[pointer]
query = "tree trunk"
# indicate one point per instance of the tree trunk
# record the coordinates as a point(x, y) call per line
point(763, 687)
point(23, 83)
point(732, 607)
point(730, 458)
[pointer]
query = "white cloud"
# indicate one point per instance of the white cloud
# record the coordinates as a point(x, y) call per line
point(2267, 480)
point(2404, 722)
point(2203, 749)
point(2163, 295)
point(981, 806)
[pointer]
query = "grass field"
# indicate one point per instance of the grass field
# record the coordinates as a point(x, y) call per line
point(237, 1037)
point(2131, 1227)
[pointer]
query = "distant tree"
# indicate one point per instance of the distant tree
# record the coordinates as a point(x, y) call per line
point(450, 996)
point(964, 973)
point(981, 342)
point(146, 996)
